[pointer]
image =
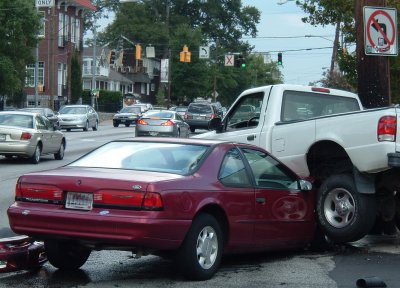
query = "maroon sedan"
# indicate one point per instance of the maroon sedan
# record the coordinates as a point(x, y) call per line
point(195, 198)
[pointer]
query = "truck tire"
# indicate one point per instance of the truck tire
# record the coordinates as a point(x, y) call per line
point(66, 255)
point(343, 214)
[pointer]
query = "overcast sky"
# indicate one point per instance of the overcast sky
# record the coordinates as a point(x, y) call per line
point(281, 29)
point(299, 67)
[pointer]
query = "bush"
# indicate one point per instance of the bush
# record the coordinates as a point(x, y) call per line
point(108, 101)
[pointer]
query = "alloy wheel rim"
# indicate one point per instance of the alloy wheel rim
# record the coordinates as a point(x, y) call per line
point(207, 247)
point(339, 208)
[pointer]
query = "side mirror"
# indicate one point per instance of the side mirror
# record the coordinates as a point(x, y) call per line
point(305, 185)
point(216, 124)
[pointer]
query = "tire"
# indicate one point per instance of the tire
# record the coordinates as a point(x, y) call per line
point(86, 128)
point(178, 134)
point(200, 255)
point(35, 159)
point(60, 154)
point(68, 129)
point(115, 124)
point(66, 255)
point(96, 126)
point(343, 214)
point(126, 124)
point(192, 129)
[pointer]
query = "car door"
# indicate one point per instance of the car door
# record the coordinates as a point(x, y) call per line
point(183, 126)
point(243, 123)
point(44, 134)
point(283, 213)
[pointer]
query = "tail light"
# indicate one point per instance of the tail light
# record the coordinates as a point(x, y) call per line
point(213, 116)
point(152, 201)
point(387, 127)
point(168, 123)
point(26, 136)
point(142, 122)
point(38, 193)
point(320, 89)
point(186, 116)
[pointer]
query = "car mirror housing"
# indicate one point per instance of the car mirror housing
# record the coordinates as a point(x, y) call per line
point(305, 185)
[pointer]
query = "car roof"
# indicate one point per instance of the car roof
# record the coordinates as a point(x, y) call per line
point(19, 112)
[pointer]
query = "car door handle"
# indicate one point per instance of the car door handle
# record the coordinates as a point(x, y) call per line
point(260, 200)
point(251, 137)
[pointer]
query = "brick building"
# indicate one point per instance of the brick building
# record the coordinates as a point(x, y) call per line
point(61, 35)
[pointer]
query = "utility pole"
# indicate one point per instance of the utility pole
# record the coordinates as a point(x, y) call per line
point(373, 71)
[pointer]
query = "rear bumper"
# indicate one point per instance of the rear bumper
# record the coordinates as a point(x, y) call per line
point(25, 149)
point(198, 123)
point(394, 159)
point(99, 227)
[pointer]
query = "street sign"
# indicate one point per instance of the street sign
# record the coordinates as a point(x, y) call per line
point(204, 52)
point(44, 3)
point(229, 60)
point(380, 31)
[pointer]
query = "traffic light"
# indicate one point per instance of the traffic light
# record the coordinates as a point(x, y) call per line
point(185, 55)
point(280, 59)
point(240, 61)
point(111, 57)
point(138, 53)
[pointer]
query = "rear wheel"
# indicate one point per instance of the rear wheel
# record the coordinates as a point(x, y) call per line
point(200, 254)
point(344, 215)
point(65, 254)
point(192, 129)
point(96, 126)
point(115, 124)
point(60, 154)
point(35, 159)
point(86, 128)
point(126, 124)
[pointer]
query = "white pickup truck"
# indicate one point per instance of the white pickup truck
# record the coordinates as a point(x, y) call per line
point(326, 134)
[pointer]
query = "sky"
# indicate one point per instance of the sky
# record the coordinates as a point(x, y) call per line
point(302, 66)
point(281, 30)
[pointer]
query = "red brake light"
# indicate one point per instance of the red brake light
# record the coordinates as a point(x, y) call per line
point(320, 89)
point(387, 127)
point(185, 116)
point(142, 122)
point(37, 192)
point(152, 201)
point(168, 123)
point(26, 136)
point(120, 198)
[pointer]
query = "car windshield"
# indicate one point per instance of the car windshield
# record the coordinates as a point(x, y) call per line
point(199, 108)
point(130, 110)
point(23, 121)
point(73, 110)
point(174, 158)
point(160, 114)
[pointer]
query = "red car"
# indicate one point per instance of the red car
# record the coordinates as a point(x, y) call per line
point(194, 199)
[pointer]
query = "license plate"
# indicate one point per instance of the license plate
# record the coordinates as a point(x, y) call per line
point(123, 121)
point(80, 201)
point(2, 137)
point(199, 118)
point(153, 133)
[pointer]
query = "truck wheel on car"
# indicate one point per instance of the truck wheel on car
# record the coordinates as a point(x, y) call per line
point(200, 254)
point(344, 215)
point(65, 254)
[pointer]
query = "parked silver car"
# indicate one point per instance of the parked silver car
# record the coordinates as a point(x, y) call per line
point(162, 123)
point(78, 117)
point(29, 135)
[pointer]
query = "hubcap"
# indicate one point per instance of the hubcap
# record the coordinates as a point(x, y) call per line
point(339, 208)
point(207, 247)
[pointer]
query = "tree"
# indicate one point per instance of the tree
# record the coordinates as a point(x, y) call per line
point(76, 78)
point(19, 27)
point(220, 24)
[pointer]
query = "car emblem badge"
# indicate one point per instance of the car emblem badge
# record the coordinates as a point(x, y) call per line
point(25, 212)
point(136, 187)
point(79, 182)
point(104, 212)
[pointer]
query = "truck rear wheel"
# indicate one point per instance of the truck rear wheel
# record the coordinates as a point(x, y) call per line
point(343, 214)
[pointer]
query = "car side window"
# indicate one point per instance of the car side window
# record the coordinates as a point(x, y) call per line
point(40, 123)
point(268, 172)
point(233, 172)
point(246, 113)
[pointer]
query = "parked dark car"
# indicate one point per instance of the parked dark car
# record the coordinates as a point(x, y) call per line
point(46, 112)
point(199, 115)
point(127, 116)
point(162, 123)
point(192, 199)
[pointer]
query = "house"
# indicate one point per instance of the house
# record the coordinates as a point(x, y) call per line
point(61, 35)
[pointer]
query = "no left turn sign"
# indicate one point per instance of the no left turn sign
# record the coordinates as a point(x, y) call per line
point(380, 31)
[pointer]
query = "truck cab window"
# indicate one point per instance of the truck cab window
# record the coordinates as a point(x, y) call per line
point(246, 113)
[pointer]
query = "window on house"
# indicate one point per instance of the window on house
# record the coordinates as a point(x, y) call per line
point(66, 27)
point(61, 30)
point(30, 74)
point(41, 33)
point(73, 29)
point(65, 72)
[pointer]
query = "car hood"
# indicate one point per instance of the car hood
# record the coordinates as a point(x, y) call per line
point(92, 179)
point(71, 116)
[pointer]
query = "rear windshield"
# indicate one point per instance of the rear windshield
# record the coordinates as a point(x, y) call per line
point(160, 114)
point(131, 110)
point(199, 108)
point(23, 121)
point(149, 156)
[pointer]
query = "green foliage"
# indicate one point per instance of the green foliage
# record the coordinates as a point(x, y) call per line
point(76, 78)
point(109, 101)
point(19, 25)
